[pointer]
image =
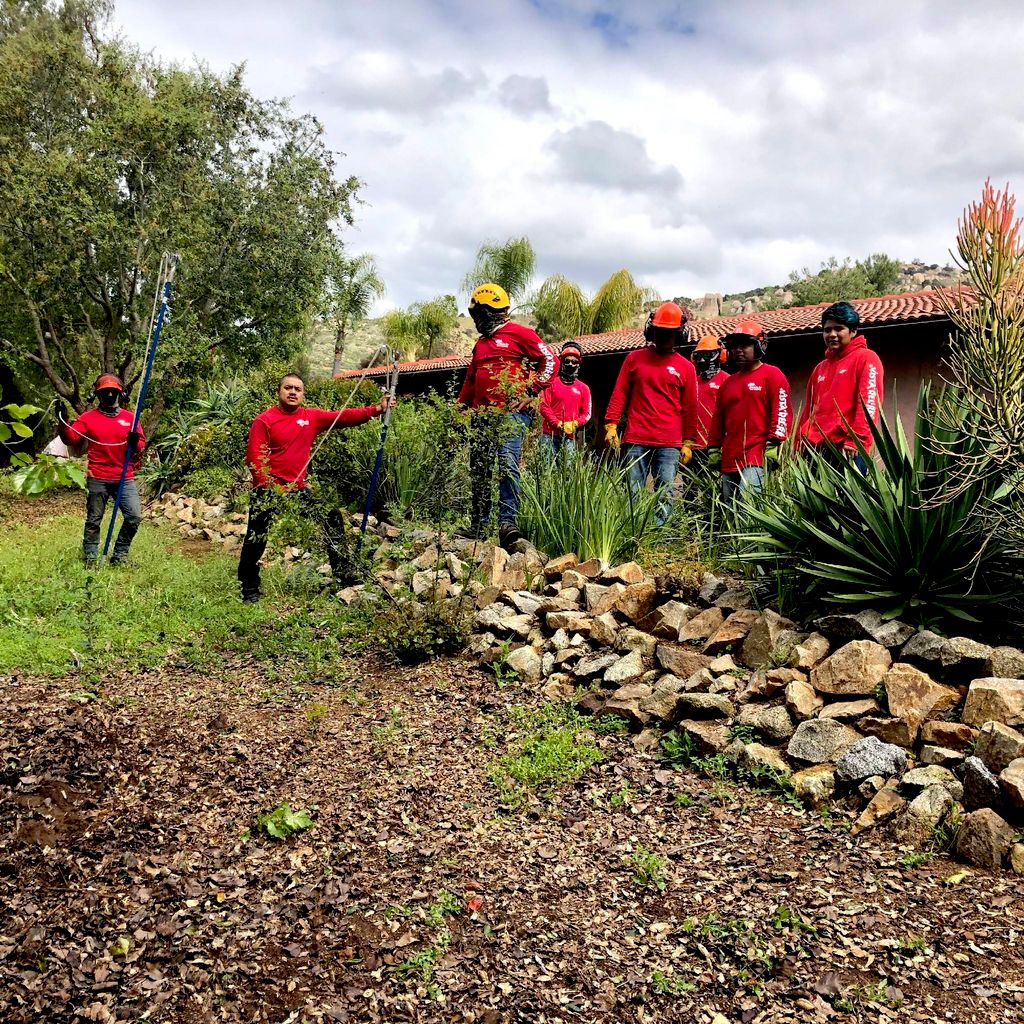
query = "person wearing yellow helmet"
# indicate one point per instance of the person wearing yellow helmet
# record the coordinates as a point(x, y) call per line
point(510, 367)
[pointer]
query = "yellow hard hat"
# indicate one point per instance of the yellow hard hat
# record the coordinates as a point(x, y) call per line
point(489, 294)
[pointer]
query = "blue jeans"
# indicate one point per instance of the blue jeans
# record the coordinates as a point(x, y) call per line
point(552, 444)
point(642, 461)
point(496, 438)
point(98, 493)
point(750, 478)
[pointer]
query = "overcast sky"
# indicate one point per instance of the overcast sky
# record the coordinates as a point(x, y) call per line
point(706, 146)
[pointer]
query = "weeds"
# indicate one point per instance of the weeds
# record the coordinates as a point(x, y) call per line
point(283, 822)
point(316, 713)
point(649, 869)
point(913, 860)
point(446, 905)
point(663, 984)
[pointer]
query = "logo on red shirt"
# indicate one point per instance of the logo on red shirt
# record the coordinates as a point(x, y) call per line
point(751, 386)
point(302, 423)
point(673, 371)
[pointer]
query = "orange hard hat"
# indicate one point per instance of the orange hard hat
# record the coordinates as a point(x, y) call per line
point(751, 328)
point(669, 314)
point(709, 343)
point(108, 380)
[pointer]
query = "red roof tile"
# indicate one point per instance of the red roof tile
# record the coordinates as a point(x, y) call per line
point(883, 309)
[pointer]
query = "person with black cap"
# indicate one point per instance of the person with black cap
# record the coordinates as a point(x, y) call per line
point(106, 433)
point(844, 391)
point(565, 406)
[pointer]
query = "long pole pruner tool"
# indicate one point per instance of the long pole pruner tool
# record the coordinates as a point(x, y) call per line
point(392, 390)
point(168, 264)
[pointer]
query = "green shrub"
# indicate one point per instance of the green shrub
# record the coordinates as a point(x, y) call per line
point(414, 632)
point(884, 539)
point(579, 504)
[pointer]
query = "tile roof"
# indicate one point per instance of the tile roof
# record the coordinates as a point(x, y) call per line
point(778, 323)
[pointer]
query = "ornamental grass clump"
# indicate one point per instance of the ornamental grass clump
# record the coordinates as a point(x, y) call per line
point(575, 503)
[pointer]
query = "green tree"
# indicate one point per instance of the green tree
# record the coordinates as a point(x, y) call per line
point(511, 264)
point(353, 286)
point(877, 275)
point(562, 309)
point(417, 330)
point(107, 160)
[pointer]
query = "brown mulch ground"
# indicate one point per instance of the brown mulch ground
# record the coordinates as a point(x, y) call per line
point(131, 888)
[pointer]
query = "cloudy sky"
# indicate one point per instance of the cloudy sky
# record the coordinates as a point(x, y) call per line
point(707, 145)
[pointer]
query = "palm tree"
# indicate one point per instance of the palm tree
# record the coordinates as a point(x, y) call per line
point(619, 300)
point(422, 325)
point(354, 286)
point(562, 309)
point(510, 263)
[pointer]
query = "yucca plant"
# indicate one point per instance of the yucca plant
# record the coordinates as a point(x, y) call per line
point(575, 503)
point(878, 540)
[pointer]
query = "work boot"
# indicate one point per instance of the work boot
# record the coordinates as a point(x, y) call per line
point(250, 597)
point(509, 536)
point(471, 532)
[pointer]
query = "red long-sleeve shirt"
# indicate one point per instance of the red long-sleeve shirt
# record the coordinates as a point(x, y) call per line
point(280, 442)
point(108, 441)
point(502, 362)
point(838, 390)
point(658, 394)
point(707, 399)
point(753, 408)
point(562, 402)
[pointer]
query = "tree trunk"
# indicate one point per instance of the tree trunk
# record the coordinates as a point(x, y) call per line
point(339, 350)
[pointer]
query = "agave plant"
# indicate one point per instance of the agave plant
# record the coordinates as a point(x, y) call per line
point(575, 503)
point(879, 539)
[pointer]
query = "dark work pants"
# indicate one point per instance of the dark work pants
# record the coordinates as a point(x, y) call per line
point(98, 493)
point(496, 438)
point(266, 503)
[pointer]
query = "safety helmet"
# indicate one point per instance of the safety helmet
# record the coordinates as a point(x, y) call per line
point(743, 332)
point(708, 356)
point(490, 294)
point(108, 380)
point(572, 348)
point(669, 316)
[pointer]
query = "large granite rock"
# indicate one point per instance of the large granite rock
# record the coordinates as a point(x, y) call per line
point(854, 670)
point(709, 737)
point(918, 779)
point(704, 705)
point(526, 661)
point(814, 786)
point(1005, 663)
point(816, 741)
point(637, 601)
point(667, 620)
point(984, 839)
point(755, 756)
point(1011, 779)
point(865, 625)
point(761, 645)
point(998, 745)
point(680, 661)
point(923, 815)
point(731, 632)
point(870, 756)
point(952, 735)
point(981, 787)
point(914, 696)
point(626, 669)
point(994, 700)
point(810, 651)
point(702, 626)
point(773, 723)
point(955, 659)
point(802, 700)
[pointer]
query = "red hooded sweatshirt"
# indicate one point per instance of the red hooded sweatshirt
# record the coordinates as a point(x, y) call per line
point(753, 408)
point(658, 394)
point(280, 442)
point(707, 400)
point(842, 384)
point(108, 437)
point(502, 361)
point(562, 402)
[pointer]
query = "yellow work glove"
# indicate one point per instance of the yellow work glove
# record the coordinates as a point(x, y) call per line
point(569, 426)
point(772, 454)
point(714, 458)
point(611, 435)
point(686, 452)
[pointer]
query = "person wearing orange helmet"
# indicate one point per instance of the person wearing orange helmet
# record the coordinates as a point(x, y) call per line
point(656, 391)
point(754, 411)
point(708, 360)
point(106, 433)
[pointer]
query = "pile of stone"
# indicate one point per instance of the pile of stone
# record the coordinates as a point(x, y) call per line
point(909, 728)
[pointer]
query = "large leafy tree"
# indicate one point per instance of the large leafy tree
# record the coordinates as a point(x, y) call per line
point(107, 160)
point(353, 286)
point(877, 275)
point(511, 264)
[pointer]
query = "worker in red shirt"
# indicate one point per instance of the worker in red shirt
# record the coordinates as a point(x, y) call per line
point(106, 435)
point(753, 414)
point(708, 360)
point(844, 392)
point(565, 406)
point(278, 455)
point(656, 390)
point(510, 367)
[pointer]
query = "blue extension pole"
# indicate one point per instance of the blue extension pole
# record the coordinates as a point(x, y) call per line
point(142, 397)
point(392, 391)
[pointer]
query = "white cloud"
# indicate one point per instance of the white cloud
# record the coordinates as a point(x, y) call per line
point(705, 146)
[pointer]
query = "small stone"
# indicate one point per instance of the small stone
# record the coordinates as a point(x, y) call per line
point(921, 778)
point(734, 600)
point(814, 786)
point(1005, 663)
point(560, 640)
point(590, 704)
point(637, 601)
point(630, 639)
point(680, 661)
point(558, 687)
point(591, 568)
point(761, 645)
point(574, 622)
point(604, 629)
point(914, 696)
point(773, 723)
point(941, 756)
point(994, 700)
point(503, 621)
point(869, 756)
point(709, 738)
point(596, 597)
point(647, 741)
point(625, 669)
point(865, 625)
point(667, 620)
point(802, 700)
point(722, 664)
point(487, 596)
point(984, 839)
point(855, 669)
point(595, 665)
point(887, 729)
point(628, 573)
point(554, 569)
point(870, 786)
point(705, 705)
point(712, 588)
point(756, 755)
point(884, 805)
point(981, 787)
point(954, 735)
point(848, 710)
point(702, 626)
point(998, 745)
point(1017, 858)
point(572, 578)
point(817, 741)
point(762, 685)
point(923, 815)
point(809, 652)
point(732, 631)
point(526, 662)
point(524, 602)
point(1011, 778)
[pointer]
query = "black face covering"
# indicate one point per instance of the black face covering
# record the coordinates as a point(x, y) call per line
point(487, 320)
point(109, 401)
point(706, 364)
point(568, 372)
